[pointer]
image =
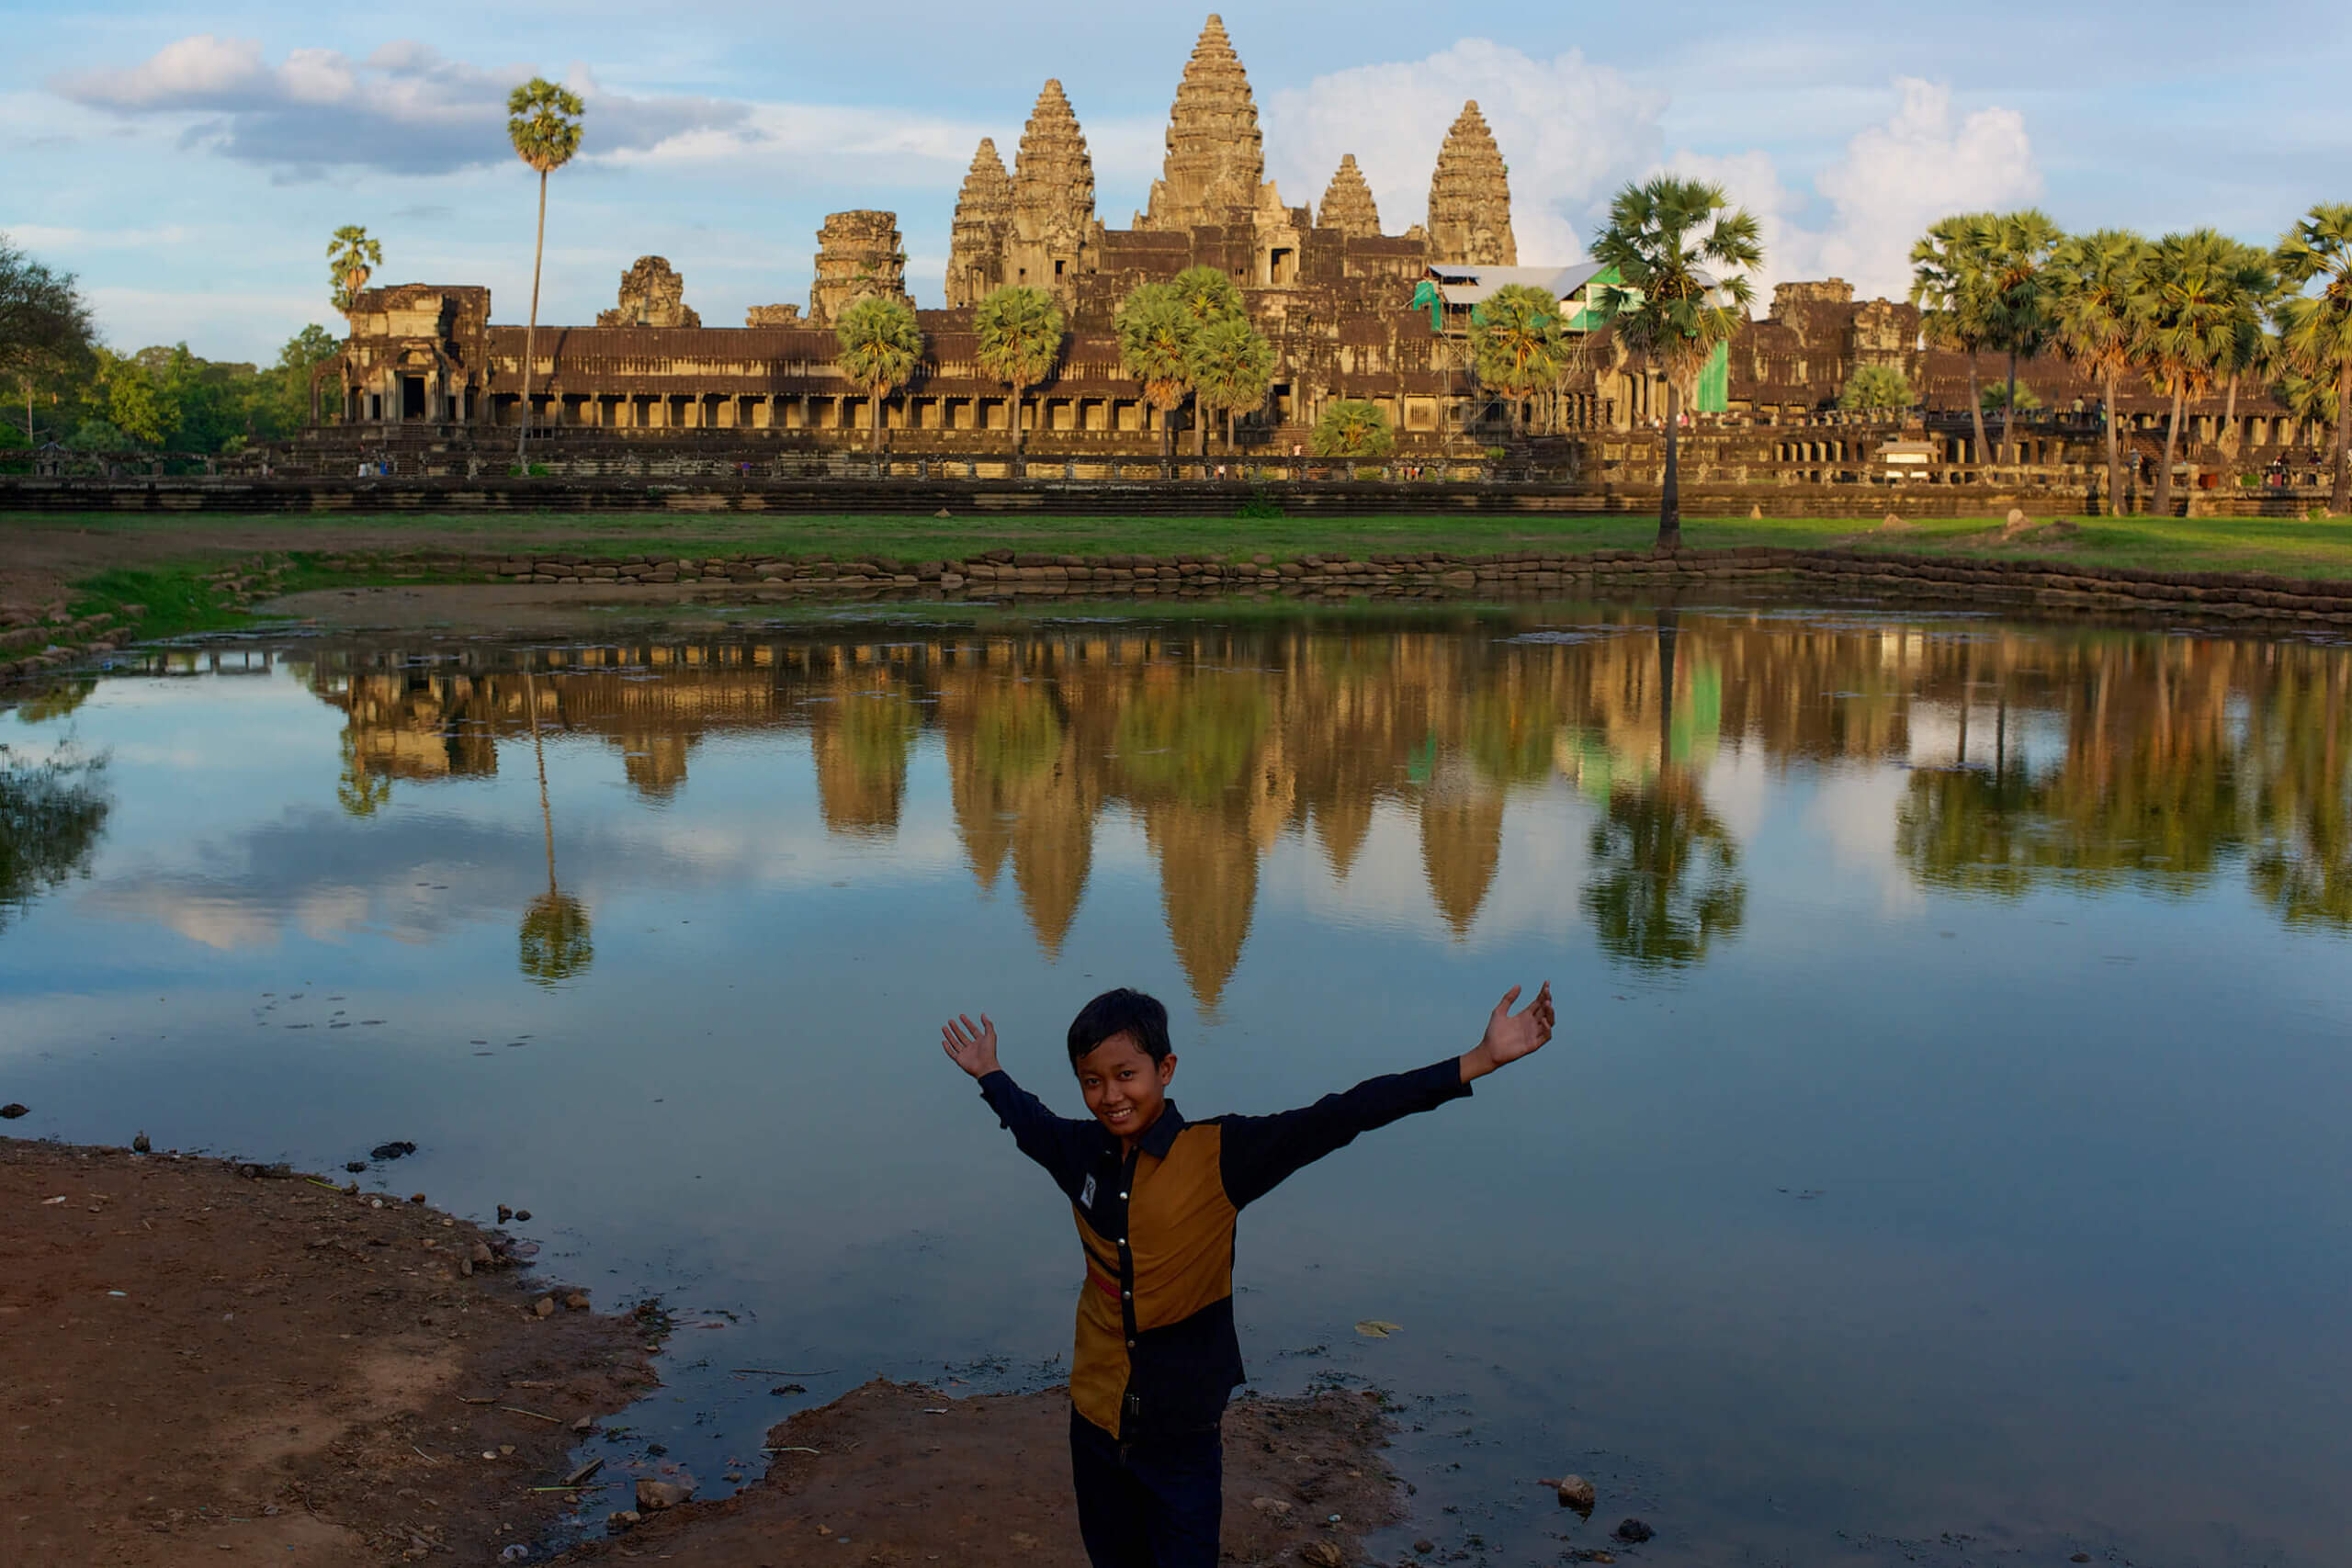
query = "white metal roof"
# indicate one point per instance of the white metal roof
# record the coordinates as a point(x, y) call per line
point(1473, 284)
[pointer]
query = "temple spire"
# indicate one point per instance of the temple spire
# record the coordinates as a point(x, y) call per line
point(983, 217)
point(1217, 155)
point(1470, 197)
point(1347, 205)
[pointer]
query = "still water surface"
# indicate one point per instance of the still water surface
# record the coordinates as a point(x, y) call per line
point(1942, 1157)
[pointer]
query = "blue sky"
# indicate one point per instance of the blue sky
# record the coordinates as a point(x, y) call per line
point(189, 162)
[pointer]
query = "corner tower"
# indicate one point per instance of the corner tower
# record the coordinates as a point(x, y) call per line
point(983, 222)
point(1217, 155)
point(1470, 197)
point(1348, 206)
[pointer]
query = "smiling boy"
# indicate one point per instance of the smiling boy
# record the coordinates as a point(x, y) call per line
point(1156, 1198)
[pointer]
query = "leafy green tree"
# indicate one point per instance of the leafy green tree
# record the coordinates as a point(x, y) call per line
point(1156, 328)
point(137, 402)
point(1677, 247)
point(1951, 284)
point(543, 122)
point(2019, 303)
point(1232, 368)
point(1518, 343)
point(1998, 398)
point(45, 331)
point(52, 815)
point(1875, 389)
point(2097, 285)
point(2317, 332)
point(298, 365)
point(881, 345)
point(352, 260)
point(2201, 286)
point(1020, 330)
point(1352, 427)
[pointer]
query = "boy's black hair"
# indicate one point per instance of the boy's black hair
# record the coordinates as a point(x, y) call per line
point(1123, 1011)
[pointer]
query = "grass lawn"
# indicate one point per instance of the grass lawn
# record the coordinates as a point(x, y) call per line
point(111, 559)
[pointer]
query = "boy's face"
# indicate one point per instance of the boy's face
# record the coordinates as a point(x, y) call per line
point(1124, 1087)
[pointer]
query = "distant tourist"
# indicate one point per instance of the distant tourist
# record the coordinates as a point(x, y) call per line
point(1157, 1198)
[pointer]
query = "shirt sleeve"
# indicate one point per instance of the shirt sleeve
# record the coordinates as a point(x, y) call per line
point(1259, 1153)
point(1055, 1142)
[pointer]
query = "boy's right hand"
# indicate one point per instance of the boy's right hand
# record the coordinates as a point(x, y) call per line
point(970, 1046)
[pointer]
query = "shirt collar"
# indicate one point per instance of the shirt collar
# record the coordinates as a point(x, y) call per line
point(1156, 1138)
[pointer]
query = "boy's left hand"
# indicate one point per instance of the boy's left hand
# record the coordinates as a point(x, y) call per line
point(1510, 1035)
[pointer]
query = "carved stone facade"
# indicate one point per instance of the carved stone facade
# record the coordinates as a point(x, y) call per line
point(858, 256)
point(983, 225)
point(652, 295)
point(1053, 198)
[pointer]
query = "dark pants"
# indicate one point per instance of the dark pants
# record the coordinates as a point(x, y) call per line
point(1148, 1505)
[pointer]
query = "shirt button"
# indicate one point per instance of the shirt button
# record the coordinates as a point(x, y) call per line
point(1131, 1344)
point(1126, 1295)
point(1122, 1196)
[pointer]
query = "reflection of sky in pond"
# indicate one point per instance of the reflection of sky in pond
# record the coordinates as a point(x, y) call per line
point(1944, 1134)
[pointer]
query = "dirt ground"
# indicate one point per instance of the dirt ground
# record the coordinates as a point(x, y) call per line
point(208, 1367)
point(892, 1474)
point(214, 1363)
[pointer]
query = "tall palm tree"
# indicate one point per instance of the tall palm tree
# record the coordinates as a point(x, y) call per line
point(2318, 249)
point(1676, 246)
point(2095, 285)
point(1021, 341)
point(543, 122)
point(2248, 345)
point(1352, 427)
point(1156, 328)
point(352, 259)
point(1518, 342)
point(1951, 284)
point(2018, 304)
point(2200, 285)
point(1212, 297)
point(881, 343)
point(555, 941)
point(1232, 368)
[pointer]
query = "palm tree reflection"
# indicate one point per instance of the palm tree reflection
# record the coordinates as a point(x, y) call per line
point(555, 939)
point(1666, 884)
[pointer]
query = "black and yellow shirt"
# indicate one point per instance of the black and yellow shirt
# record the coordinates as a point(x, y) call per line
point(1156, 1348)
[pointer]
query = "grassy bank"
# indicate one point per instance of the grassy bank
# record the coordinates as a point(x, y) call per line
point(2285, 546)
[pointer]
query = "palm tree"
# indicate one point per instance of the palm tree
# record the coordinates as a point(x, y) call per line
point(543, 121)
point(2200, 287)
point(1021, 341)
point(1156, 328)
point(1212, 297)
point(1352, 427)
point(2097, 283)
point(1517, 344)
point(555, 941)
point(1950, 284)
point(1676, 297)
point(2318, 249)
point(2249, 347)
point(352, 259)
point(1232, 366)
point(881, 345)
point(2018, 305)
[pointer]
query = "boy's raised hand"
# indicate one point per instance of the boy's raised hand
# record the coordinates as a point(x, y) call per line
point(969, 1045)
point(1510, 1035)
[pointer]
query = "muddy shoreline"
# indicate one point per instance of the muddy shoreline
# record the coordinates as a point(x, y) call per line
point(217, 1361)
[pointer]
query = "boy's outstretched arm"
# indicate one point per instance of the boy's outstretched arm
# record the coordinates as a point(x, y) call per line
point(1050, 1140)
point(1261, 1152)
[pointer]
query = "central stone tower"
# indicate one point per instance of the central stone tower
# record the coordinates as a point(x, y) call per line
point(1053, 198)
point(1470, 197)
point(1217, 155)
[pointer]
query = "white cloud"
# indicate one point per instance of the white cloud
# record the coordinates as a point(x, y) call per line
point(404, 109)
point(1569, 131)
point(1895, 179)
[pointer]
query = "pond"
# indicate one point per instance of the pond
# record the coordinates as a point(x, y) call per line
point(1941, 1157)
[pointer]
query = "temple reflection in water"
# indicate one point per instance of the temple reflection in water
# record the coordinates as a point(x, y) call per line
point(2025, 757)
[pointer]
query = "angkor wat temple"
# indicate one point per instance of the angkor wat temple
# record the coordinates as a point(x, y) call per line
point(1352, 311)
